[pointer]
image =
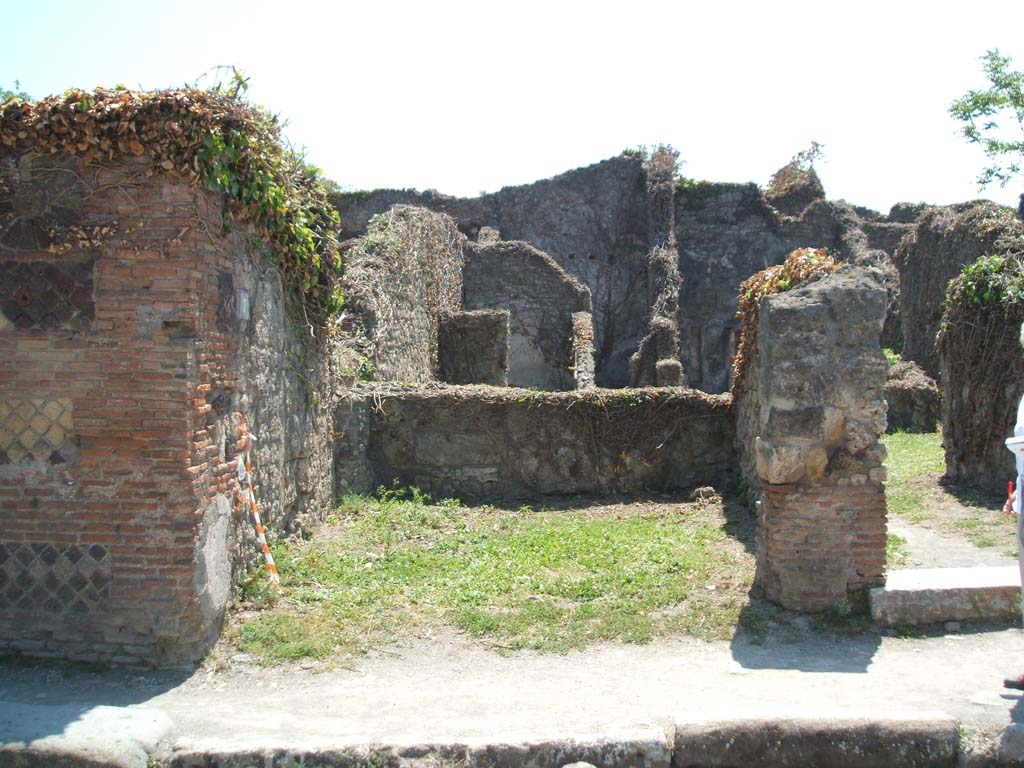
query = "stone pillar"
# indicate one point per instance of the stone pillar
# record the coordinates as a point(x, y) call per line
point(583, 349)
point(810, 411)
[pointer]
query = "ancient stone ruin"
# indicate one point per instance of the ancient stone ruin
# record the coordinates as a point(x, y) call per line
point(809, 411)
point(980, 358)
point(576, 335)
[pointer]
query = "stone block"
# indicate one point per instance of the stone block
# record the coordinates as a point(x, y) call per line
point(668, 373)
point(807, 422)
point(777, 464)
point(816, 463)
point(933, 595)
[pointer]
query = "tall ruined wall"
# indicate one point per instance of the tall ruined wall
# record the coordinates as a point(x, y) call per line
point(134, 340)
point(596, 222)
point(656, 361)
point(400, 277)
point(982, 366)
point(941, 244)
point(541, 299)
point(810, 411)
point(482, 443)
point(728, 232)
point(592, 221)
point(725, 233)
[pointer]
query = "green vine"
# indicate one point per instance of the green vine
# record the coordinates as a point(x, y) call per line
point(214, 139)
point(991, 282)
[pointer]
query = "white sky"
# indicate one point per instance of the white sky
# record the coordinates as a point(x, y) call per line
point(466, 97)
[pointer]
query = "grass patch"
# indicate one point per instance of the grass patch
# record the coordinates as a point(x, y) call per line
point(915, 464)
point(547, 580)
point(895, 549)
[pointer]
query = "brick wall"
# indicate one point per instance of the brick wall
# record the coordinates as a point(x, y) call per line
point(120, 398)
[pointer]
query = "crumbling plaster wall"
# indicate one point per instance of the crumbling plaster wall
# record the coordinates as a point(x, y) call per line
point(120, 528)
point(540, 298)
point(473, 347)
point(400, 277)
point(810, 411)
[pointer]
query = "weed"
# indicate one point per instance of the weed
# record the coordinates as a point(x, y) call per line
point(895, 549)
point(909, 631)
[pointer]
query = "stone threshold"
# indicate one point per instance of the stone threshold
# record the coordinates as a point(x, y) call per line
point(934, 595)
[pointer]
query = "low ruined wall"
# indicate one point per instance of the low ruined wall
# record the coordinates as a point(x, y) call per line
point(540, 298)
point(400, 277)
point(809, 416)
point(134, 340)
point(482, 443)
point(913, 399)
point(942, 243)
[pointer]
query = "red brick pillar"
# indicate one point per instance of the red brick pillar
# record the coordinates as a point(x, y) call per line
point(109, 488)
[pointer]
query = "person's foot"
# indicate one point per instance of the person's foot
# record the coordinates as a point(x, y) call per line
point(1014, 682)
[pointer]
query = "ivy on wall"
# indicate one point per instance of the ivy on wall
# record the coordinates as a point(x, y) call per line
point(214, 139)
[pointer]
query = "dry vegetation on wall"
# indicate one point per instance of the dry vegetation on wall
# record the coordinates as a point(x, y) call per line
point(213, 139)
point(795, 186)
point(801, 266)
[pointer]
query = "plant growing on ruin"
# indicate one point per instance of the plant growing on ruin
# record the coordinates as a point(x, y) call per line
point(991, 282)
point(661, 164)
point(801, 266)
point(993, 118)
point(797, 178)
point(980, 325)
point(214, 139)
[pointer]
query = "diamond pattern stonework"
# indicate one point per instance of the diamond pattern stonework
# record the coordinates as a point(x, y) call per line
point(40, 431)
point(55, 578)
point(46, 295)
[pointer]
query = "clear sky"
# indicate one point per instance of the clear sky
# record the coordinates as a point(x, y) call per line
point(466, 97)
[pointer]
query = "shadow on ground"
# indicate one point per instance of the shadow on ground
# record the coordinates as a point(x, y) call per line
point(768, 637)
point(42, 699)
point(972, 497)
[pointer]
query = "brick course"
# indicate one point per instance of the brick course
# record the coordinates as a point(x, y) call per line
point(134, 382)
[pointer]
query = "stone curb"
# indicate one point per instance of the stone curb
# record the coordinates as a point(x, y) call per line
point(641, 746)
point(804, 741)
